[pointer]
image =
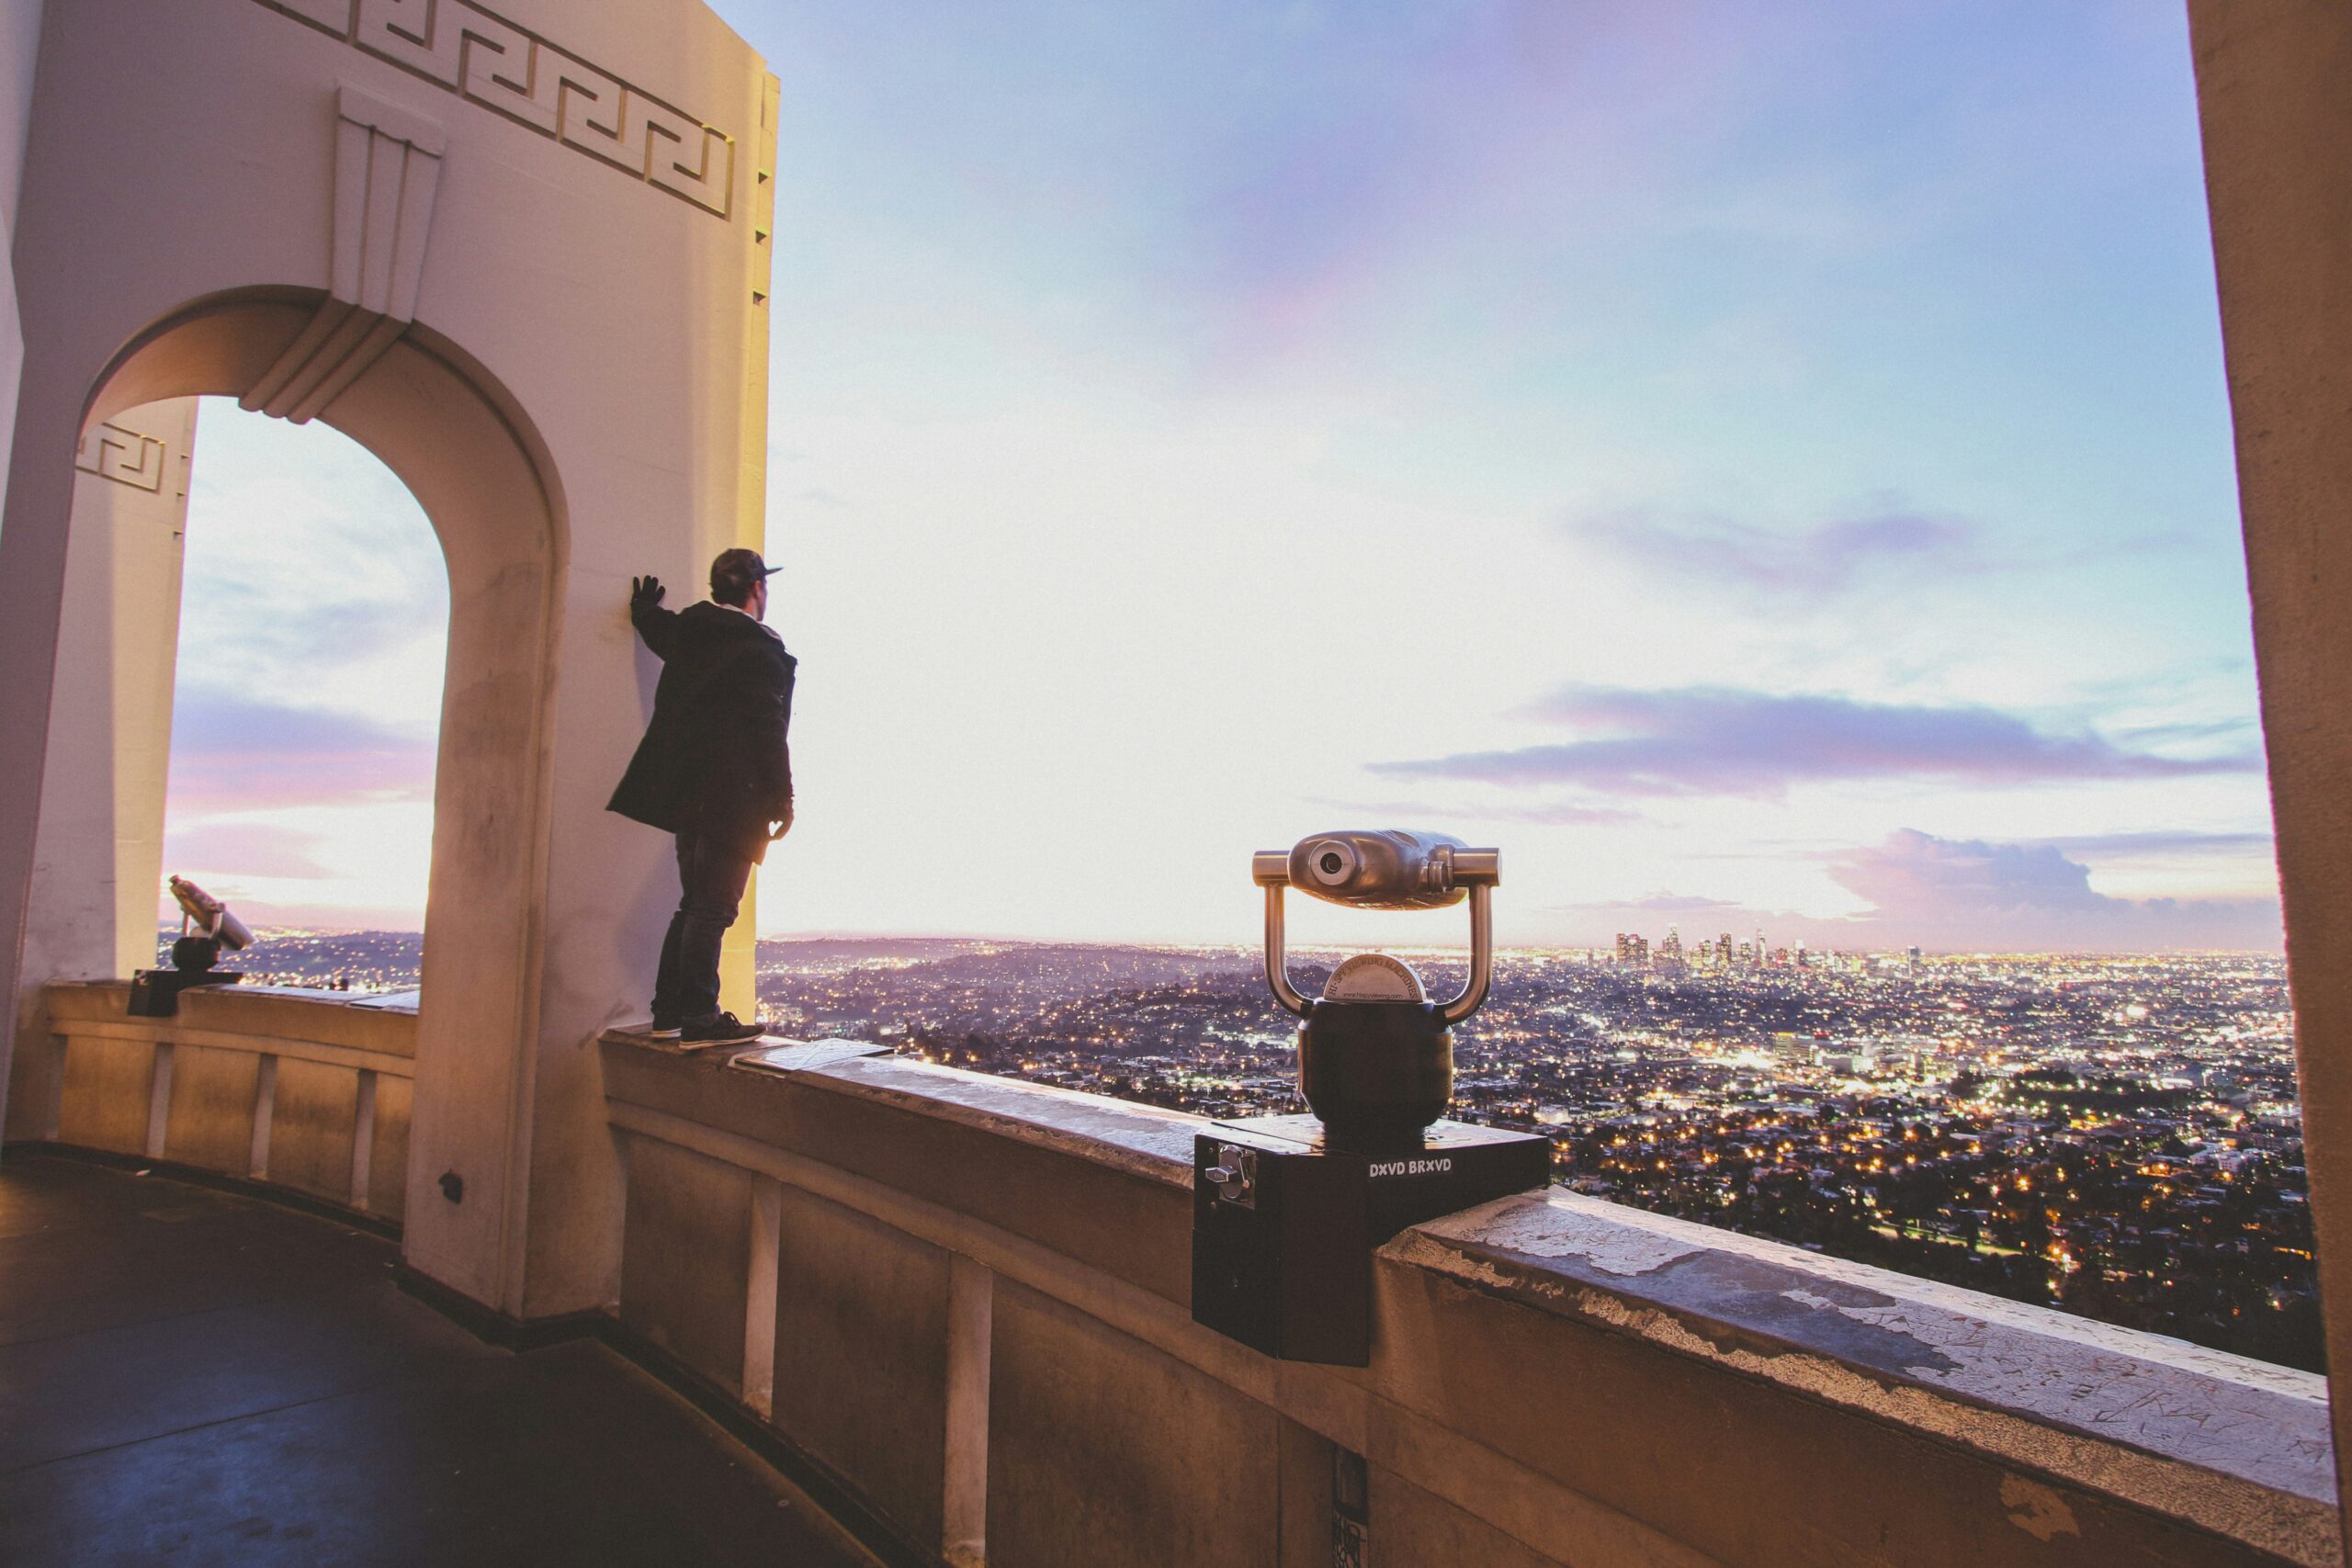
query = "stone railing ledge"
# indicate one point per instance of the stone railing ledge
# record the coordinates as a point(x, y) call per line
point(797, 1056)
point(1141, 1140)
point(2233, 1445)
point(229, 1016)
point(86, 999)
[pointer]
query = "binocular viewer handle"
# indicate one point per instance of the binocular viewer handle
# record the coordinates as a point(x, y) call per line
point(1476, 871)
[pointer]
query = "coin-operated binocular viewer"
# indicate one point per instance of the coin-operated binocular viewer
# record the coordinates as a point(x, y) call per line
point(1376, 1055)
point(1287, 1209)
point(206, 931)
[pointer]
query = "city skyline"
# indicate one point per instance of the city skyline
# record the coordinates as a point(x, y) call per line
point(1780, 499)
point(2119, 1137)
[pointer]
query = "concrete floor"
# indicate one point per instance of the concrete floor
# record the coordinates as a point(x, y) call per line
point(191, 1377)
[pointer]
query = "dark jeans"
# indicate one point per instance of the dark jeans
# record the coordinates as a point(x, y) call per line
point(711, 874)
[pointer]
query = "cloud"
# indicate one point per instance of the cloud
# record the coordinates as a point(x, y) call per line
point(1813, 563)
point(283, 627)
point(263, 914)
point(245, 848)
point(1959, 895)
point(1969, 893)
point(232, 751)
point(2161, 842)
point(310, 569)
point(1550, 813)
point(1717, 741)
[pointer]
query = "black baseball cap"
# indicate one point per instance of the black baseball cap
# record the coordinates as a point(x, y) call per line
point(739, 569)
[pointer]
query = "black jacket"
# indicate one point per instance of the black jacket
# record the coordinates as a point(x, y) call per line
point(714, 759)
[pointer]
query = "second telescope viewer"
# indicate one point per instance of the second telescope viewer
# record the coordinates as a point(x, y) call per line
point(715, 768)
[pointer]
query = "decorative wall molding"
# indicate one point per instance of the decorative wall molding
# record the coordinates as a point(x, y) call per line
point(480, 56)
point(126, 456)
point(387, 169)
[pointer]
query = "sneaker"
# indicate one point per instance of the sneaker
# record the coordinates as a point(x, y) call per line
point(719, 1029)
point(664, 1028)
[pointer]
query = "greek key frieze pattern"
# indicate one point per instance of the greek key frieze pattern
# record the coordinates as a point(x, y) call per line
point(123, 456)
point(483, 57)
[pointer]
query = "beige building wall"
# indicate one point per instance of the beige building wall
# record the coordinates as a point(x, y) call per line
point(520, 254)
point(98, 863)
point(2274, 87)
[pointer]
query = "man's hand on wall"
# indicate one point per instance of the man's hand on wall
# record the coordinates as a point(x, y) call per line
point(644, 593)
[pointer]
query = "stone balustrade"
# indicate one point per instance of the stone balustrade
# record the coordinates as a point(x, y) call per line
point(306, 1090)
point(959, 1304)
point(964, 1300)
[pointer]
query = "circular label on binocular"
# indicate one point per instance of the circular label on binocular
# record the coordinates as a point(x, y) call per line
point(1374, 978)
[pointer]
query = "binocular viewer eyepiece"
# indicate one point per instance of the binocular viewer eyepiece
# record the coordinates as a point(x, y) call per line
point(1376, 1057)
point(1380, 869)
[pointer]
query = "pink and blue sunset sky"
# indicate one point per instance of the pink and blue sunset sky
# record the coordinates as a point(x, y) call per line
point(1761, 464)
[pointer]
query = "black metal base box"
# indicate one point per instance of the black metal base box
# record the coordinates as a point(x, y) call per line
point(155, 993)
point(1283, 1227)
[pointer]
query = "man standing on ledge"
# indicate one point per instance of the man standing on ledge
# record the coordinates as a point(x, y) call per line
point(715, 770)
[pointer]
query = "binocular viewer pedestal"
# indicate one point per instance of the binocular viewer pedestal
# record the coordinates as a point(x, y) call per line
point(1284, 1223)
point(1287, 1209)
point(1375, 1074)
point(155, 993)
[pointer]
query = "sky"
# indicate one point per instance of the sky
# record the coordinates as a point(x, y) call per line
point(1762, 465)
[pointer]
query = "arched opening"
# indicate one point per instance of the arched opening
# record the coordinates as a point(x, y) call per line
point(443, 426)
point(312, 619)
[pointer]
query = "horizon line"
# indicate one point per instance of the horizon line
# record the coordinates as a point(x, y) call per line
point(266, 932)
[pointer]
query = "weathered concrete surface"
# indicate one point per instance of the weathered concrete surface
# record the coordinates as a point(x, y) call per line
point(1140, 1139)
point(1303, 1481)
point(1082, 1179)
point(229, 1057)
point(211, 1119)
point(861, 1355)
point(313, 1122)
point(1105, 1451)
point(1409, 1525)
point(796, 1057)
point(2226, 1444)
point(685, 1282)
point(388, 1162)
point(241, 1017)
point(2277, 117)
point(106, 1096)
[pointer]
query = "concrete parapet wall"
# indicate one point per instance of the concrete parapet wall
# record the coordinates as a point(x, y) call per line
point(967, 1300)
point(964, 1300)
point(307, 1090)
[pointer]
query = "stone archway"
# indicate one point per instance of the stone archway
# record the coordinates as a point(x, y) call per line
point(456, 440)
point(493, 248)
